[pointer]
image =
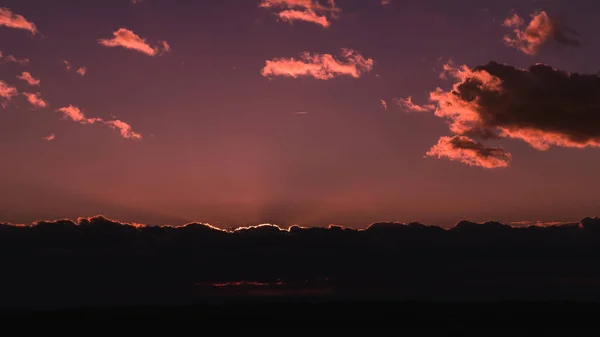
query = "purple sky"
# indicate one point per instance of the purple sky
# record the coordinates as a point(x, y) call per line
point(223, 143)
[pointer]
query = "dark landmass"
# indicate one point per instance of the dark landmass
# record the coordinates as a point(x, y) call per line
point(97, 262)
point(312, 316)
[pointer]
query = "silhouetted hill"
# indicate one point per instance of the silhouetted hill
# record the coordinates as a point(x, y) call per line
point(97, 261)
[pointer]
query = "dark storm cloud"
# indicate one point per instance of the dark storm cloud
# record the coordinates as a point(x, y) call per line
point(541, 105)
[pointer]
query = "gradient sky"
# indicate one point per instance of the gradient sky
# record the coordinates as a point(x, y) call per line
point(225, 142)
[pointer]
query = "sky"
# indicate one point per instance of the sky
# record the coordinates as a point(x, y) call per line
point(303, 112)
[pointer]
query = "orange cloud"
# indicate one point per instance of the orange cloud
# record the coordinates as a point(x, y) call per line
point(82, 71)
point(35, 99)
point(27, 77)
point(49, 137)
point(470, 152)
point(539, 31)
point(127, 39)
point(11, 20)
point(75, 114)
point(407, 104)
point(303, 10)
point(319, 66)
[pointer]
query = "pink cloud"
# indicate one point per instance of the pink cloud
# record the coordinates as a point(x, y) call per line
point(308, 15)
point(6, 93)
point(127, 39)
point(27, 77)
point(75, 114)
point(303, 10)
point(82, 71)
point(124, 129)
point(319, 66)
point(383, 104)
point(385, 2)
point(35, 99)
point(470, 152)
point(13, 59)
point(11, 20)
point(303, 4)
point(538, 32)
point(49, 137)
point(407, 104)
point(67, 64)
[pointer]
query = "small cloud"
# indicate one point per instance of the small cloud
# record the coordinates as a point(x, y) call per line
point(76, 115)
point(383, 104)
point(308, 15)
point(11, 20)
point(49, 137)
point(319, 66)
point(385, 2)
point(27, 77)
point(470, 152)
point(13, 59)
point(67, 64)
point(127, 39)
point(408, 105)
point(300, 113)
point(313, 11)
point(35, 99)
point(124, 129)
point(82, 71)
point(6, 93)
point(538, 32)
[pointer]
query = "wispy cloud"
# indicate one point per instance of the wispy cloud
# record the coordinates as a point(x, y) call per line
point(383, 104)
point(11, 20)
point(82, 71)
point(300, 113)
point(319, 66)
point(308, 15)
point(35, 99)
point(49, 137)
point(27, 77)
point(67, 64)
point(127, 39)
point(408, 105)
point(385, 2)
point(541, 29)
point(13, 59)
point(303, 10)
point(76, 115)
point(124, 129)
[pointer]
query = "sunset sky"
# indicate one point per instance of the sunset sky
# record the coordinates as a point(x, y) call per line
point(236, 112)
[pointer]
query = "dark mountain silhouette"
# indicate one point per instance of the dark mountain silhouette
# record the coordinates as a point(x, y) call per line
point(97, 261)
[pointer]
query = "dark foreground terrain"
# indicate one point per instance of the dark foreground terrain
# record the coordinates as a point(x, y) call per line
point(101, 272)
point(316, 317)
